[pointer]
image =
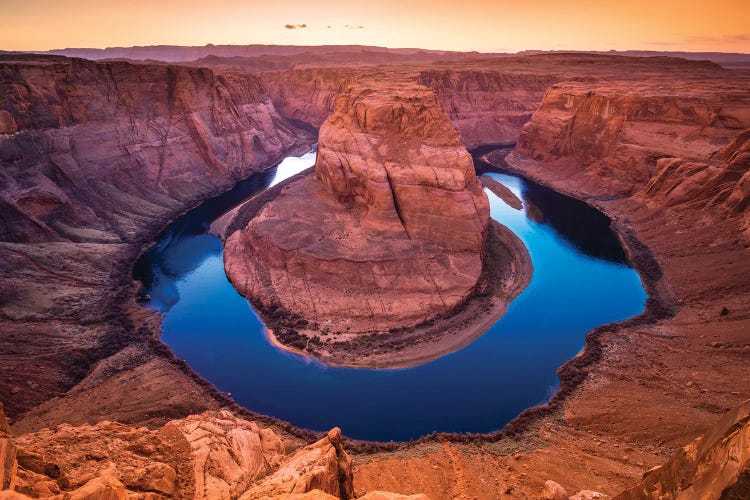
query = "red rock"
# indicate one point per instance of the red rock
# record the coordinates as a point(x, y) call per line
point(322, 468)
point(486, 106)
point(716, 465)
point(553, 491)
point(389, 233)
point(101, 488)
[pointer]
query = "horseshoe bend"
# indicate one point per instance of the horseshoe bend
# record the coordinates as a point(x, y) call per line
point(388, 234)
point(281, 271)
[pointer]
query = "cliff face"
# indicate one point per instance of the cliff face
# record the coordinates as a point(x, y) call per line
point(716, 465)
point(488, 107)
point(662, 146)
point(96, 158)
point(89, 149)
point(390, 232)
point(485, 106)
point(307, 95)
point(615, 135)
point(393, 153)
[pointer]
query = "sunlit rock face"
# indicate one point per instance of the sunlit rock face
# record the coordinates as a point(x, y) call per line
point(388, 233)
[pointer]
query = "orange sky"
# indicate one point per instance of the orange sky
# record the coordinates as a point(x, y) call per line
point(485, 25)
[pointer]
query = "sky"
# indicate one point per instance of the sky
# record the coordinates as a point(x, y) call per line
point(483, 25)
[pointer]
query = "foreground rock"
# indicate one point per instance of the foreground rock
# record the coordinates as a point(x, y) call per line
point(716, 465)
point(389, 233)
point(213, 455)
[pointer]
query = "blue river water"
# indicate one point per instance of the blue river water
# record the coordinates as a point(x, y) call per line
point(580, 280)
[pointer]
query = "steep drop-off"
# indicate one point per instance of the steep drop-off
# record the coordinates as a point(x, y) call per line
point(639, 389)
point(487, 107)
point(96, 159)
point(616, 133)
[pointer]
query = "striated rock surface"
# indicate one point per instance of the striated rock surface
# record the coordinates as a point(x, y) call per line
point(214, 455)
point(716, 465)
point(488, 107)
point(307, 95)
point(388, 234)
point(721, 182)
point(616, 134)
point(323, 466)
point(228, 454)
point(96, 158)
point(108, 144)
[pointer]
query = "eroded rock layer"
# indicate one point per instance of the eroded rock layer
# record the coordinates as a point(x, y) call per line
point(96, 158)
point(390, 231)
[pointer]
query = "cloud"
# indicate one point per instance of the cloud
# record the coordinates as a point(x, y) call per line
point(295, 26)
point(353, 26)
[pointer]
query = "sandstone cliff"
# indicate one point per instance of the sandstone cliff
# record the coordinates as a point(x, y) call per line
point(307, 95)
point(485, 106)
point(716, 465)
point(96, 159)
point(91, 149)
point(615, 134)
point(388, 234)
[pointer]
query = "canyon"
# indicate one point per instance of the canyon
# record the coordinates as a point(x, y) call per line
point(98, 157)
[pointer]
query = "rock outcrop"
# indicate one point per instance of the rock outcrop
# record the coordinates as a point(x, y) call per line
point(307, 95)
point(8, 460)
point(615, 135)
point(323, 466)
point(214, 455)
point(720, 182)
point(389, 233)
point(716, 465)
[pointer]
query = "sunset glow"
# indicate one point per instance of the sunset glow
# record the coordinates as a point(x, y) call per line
point(483, 25)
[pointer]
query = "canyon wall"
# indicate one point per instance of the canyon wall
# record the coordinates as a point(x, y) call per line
point(307, 95)
point(91, 150)
point(615, 134)
point(213, 455)
point(96, 159)
point(485, 106)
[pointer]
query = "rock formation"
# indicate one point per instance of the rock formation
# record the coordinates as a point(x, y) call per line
point(213, 455)
point(615, 134)
point(76, 348)
point(721, 181)
point(485, 106)
point(389, 233)
point(96, 158)
point(716, 465)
